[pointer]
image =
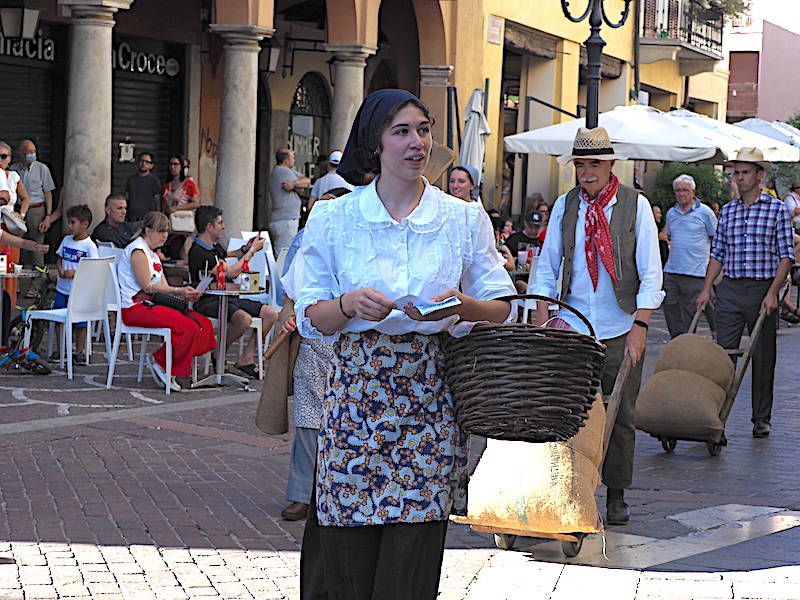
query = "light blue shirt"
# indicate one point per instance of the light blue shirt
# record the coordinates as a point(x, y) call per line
point(600, 306)
point(690, 236)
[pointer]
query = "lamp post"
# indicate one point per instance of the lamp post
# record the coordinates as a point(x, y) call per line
point(18, 20)
point(596, 13)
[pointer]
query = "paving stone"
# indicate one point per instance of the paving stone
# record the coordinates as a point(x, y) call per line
point(40, 591)
point(194, 495)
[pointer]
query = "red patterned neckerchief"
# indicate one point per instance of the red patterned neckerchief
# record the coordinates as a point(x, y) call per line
point(598, 234)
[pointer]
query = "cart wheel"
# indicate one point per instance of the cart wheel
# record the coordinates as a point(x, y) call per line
point(505, 541)
point(571, 549)
point(668, 444)
point(714, 448)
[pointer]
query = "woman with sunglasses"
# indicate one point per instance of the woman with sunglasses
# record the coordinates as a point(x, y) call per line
point(140, 276)
point(180, 198)
point(392, 462)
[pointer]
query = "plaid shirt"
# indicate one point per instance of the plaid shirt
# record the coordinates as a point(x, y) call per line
point(750, 242)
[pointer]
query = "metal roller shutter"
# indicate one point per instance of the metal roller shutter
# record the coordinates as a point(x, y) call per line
point(27, 99)
point(142, 115)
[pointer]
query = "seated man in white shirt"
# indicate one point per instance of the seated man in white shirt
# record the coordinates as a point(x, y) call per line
point(612, 274)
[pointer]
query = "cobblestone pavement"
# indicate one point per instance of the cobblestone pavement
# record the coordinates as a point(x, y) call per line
point(128, 493)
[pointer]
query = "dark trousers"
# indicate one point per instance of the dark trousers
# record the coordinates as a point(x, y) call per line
point(738, 305)
point(618, 464)
point(679, 305)
point(374, 562)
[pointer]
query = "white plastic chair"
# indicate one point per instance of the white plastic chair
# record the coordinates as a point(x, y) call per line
point(107, 249)
point(145, 332)
point(281, 261)
point(85, 304)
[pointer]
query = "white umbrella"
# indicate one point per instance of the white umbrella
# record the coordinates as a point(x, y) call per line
point(778, 130)
point(730, 139)
point(476, 130)
point(638, 132)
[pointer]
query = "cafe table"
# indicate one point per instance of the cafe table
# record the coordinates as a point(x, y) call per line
point(220, 377)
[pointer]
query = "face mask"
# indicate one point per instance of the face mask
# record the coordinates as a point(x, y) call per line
point(31, 158)
point(185, 171)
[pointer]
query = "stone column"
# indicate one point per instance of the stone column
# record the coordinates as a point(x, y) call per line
point(349, 62)
point(87, 155)
point(236, 164)
point(433, 82)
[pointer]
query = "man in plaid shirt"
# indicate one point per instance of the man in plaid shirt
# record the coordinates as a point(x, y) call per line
point(753, 248)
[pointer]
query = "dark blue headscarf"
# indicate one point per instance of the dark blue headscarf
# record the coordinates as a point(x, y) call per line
point(360, 154)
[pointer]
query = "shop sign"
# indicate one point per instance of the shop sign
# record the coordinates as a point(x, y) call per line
point(126, 58)
point(39, 48)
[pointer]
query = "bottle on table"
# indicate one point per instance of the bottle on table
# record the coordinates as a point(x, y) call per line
point(221, 275)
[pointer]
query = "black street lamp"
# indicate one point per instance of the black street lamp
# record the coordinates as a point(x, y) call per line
point(18, 20)
point(596, 13)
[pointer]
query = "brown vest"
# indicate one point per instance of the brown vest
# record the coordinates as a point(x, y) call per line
point(623, 237)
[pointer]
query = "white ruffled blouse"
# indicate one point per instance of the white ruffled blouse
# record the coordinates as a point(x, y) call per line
point(352, 242)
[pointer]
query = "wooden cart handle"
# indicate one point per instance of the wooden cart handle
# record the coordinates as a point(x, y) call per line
point(614, 400)
point(277, 344)
point(725, 411)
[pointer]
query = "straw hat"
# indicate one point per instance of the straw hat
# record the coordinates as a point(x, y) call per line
point(751, 155)
point(591, 144)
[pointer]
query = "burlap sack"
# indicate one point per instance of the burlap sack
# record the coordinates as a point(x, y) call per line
point(690, 352)
point(681, 404)
point(541, 488)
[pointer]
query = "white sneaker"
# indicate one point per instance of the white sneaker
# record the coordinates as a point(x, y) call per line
point(159, 376)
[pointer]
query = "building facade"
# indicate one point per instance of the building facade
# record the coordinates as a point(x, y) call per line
point(224, 82)
point(668, 45)
point(756, 47)
point(228, 82)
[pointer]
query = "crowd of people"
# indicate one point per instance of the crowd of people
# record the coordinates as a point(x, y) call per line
point(378, 463)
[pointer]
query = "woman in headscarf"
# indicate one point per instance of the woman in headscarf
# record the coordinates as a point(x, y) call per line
point(392, 462)
point(462, 182)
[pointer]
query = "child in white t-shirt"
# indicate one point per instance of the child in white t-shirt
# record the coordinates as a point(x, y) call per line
point(73, 248)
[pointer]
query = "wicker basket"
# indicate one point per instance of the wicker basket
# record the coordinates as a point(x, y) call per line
point(517, 381)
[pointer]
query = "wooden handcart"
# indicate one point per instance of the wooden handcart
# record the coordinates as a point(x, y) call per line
point(571, 543)
point(717, 440)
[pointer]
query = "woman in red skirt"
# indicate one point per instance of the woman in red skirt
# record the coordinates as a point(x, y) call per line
point(140, 276)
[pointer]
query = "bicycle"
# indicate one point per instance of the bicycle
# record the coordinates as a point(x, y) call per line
point(45, 295)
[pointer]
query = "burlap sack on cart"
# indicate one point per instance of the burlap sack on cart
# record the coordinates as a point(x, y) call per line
point(690, 352)
point(677, 403)
point(546, 488)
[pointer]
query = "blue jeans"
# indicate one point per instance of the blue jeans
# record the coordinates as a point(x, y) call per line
point(301, 465)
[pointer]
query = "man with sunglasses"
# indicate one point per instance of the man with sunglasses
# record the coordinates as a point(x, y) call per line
point(142, 191)
point(38, 182)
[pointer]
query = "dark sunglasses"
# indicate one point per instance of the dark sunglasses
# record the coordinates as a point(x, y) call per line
point(174, 164)
point(5, 156)
point(144, 160)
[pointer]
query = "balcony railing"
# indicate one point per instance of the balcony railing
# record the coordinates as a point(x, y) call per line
point(689, 21)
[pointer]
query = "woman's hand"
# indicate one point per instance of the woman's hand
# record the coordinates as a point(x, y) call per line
point(39, 248)
point(413, 313)
point(190, 294)
point(289, 325)
point(367, 304)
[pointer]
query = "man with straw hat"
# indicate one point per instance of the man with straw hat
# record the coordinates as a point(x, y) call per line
point(753, 249)
point(605, 235)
